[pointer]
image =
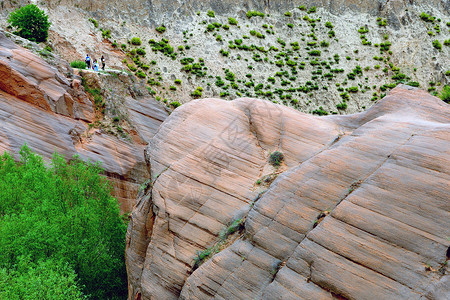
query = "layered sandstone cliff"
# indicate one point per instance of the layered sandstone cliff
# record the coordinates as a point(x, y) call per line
point(50, 112)
point(358, 208)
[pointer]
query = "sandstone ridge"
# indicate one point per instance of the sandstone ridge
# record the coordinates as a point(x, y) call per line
point(358, 208)
point(50, 111)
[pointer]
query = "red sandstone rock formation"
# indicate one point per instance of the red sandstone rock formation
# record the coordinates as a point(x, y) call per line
point(359, 208)
point(41, 107)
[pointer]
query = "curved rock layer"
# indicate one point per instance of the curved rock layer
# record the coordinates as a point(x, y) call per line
point(359, 208)
point(50, 112)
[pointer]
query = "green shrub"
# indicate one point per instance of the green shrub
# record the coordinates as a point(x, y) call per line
point(288, 14)
point(312, 10)
point(140, 74)
point(276, 158)
point(177, 81)
point(254, 13)
point(79, 64)
point(94, 21)
point(211, 14)
point(342, 106)
point(329, 25)
point(437, 45)
point(447, 42)
point(314, 52)
point(413, 83)
point(197, 93)
point(426, 17)
point(62, 219)
point(106, 34)
point(320, 111)
point(290, 25)
point(353, 89)
point(232, 21)
point(161, 29)
point(324, 44)
point(136, 41)
point(140, 51)
point(173, 88)
point(445, 94)
point(30, 22)
point(175, 104)
point(301, 7)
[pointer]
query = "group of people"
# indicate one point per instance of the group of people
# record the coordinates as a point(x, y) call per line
point(95, 63)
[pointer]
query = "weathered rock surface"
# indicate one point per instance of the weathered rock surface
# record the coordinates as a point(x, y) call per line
point(359, 209)
point(50, 112)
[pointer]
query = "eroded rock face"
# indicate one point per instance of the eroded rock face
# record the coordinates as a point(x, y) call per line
point(359, 208)
point(41, 107)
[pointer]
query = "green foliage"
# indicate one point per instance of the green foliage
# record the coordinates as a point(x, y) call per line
point(445, 94)
point(30, 22)
point(60, 218)
point(161, 29)
point(94, 21)
point(314, 52)
point(136, 41)
point(426, 17)
point(288, 14)
point(140, 51)
point(106, 34)
point(177, 81)
point(276, 158)
point(413, 83)
point(254, 13)
point(320, 111)
point(342, 106)
point(312, 10)
point(141, 74)
point(232, 21)
point(437, 45)
point(79, 64)
point(197, 93)
point(211, 14)
point(46, 279)
point(175, 104)
point(329, 25)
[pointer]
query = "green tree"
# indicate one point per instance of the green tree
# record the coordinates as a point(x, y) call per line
point(31, 23)
point(63, 212)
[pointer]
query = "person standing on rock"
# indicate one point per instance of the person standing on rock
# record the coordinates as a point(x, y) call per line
point(95, 66)
point(88, 61)
point(103, 63)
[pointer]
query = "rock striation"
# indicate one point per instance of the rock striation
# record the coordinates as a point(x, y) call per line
point(358, 208)
point(50, 112)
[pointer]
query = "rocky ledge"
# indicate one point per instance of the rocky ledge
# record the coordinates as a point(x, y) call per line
point(357, 209)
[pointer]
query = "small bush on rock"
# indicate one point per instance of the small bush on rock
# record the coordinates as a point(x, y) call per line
point(276, 158)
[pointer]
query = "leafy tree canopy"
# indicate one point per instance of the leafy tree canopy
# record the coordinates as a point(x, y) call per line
point(31, 23)
point(59, 226)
